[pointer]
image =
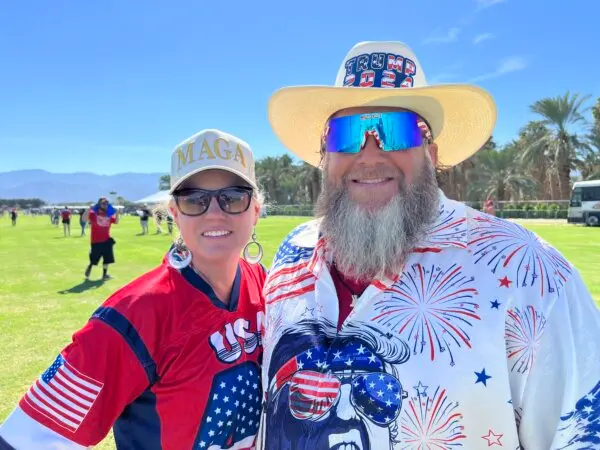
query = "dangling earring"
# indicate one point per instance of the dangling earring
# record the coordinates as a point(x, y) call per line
point(179, 257)
point(253, 259)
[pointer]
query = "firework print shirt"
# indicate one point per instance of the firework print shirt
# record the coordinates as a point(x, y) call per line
point(488, 338)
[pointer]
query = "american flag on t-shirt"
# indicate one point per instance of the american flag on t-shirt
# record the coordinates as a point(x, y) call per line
point(63, 394)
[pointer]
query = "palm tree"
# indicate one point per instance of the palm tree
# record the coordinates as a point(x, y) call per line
point(589, 162)
point(534, 143)
point(309, 178)
point(266, 174)
point(499, 177)
point(559, 114)
point(455, 181)
point(164, 183)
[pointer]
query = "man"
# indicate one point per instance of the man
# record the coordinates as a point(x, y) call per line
point(400, 318)
point(66, 221)
point(144, 216)
point(82, 222)
point(13, 216)
point(158, 217)
point(55, 216)
point(169, 222)
point(101, 217)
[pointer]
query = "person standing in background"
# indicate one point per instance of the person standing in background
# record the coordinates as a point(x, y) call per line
point(55, 216)
point(66, 221)
point(158, 217)
point(82, 221)
point(101, 217)
point(170, 223)
point(144, 216)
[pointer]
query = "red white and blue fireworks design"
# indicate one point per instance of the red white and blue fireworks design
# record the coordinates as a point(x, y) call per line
point(518, 255)
point(450, 229)
point(523, 331)
point(432, 308)
point(431, 422)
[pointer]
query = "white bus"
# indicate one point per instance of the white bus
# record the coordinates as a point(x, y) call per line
point(585, 203)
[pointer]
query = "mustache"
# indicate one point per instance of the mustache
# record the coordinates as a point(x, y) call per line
point(377, 171)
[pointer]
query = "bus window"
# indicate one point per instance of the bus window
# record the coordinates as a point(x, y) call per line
point(576, 197)
point(590, 194)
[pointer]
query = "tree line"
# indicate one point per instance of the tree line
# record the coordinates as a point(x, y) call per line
point(21, 203)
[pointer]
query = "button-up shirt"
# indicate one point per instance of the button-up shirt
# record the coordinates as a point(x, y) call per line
point(487, 338)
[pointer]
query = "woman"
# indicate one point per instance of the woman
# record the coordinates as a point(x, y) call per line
point(170, 361)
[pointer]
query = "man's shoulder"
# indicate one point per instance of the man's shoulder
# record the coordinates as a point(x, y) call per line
point(299, 244)
point(304, 235)
point(519, 257)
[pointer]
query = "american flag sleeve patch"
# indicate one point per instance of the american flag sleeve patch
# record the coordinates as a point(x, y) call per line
point(63, 394)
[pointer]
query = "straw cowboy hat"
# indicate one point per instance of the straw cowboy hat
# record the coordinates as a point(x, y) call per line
point(461, 117)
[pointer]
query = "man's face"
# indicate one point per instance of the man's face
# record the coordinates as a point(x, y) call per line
point(372, 177)
point(102, 205)
point(376, 206)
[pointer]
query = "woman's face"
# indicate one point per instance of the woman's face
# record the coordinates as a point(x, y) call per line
point(215, 235)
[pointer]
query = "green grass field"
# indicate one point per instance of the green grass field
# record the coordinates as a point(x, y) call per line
point(43, 298)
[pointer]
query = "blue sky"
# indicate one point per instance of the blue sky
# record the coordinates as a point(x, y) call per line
point(113, 86)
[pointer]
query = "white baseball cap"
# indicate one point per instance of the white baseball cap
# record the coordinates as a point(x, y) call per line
point(208, 150)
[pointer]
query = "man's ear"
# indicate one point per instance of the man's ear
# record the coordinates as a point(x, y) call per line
point(432, 149)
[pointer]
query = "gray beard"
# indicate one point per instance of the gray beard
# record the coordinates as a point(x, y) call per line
point(366, 243)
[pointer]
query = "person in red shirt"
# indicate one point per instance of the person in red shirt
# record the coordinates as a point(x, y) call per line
point(489, 207)
point(170, 361)
point(101, 217)
point(65, 214)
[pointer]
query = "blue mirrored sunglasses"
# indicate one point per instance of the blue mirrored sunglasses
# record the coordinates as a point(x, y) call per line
point(394, 131)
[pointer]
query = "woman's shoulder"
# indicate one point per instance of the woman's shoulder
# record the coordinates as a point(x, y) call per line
point(257, 272)
point(148, 294)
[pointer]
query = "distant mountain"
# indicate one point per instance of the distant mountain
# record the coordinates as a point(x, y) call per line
point(76, 187)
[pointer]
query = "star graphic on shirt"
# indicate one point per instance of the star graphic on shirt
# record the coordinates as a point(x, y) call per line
point(308, 312)
point(482, 377)
point(493, 438)
point(421, 390)
point(504, 282)
point(495, 304)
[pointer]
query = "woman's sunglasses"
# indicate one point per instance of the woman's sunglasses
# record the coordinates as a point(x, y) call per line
point(231, 200)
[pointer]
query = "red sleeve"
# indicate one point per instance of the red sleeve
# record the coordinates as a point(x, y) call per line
point(87, 387)
point(113, 219)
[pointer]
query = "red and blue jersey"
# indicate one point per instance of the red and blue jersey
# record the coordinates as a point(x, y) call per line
point(163, 362)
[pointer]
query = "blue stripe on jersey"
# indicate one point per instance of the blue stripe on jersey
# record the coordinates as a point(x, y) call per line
point(199, 283)
point(264, 269)
point(138, 427)
point(4, 445)
point(119, 322)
